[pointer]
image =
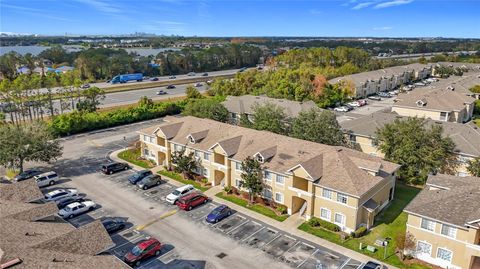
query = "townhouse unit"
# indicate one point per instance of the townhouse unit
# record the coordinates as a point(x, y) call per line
point(337, 184)
point(362, 131)
point(444, 219)
point(238, 106)
point(440, 104)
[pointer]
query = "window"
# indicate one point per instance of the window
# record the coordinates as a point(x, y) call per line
point(325, 214)
point(278, 197)
point(327, 193)
point(206, 156)
point(238, 166)
point(197, 153)
point(339, 219)
point(353, 138)
point(449, 231)
point(443, 116)
point(342, 198)
point(267, 175)
point(178, 147)
point(238, 183)
point(280, 179)
point(206, 172)
point(444, 254)
point(267, 193)
point(428, 224)
point(259, 158)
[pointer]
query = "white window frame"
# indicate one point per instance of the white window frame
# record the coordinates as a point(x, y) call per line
point(447, 250)
point(206, 156)
point(238, 182)
point(265, 173)
point(270, 192)
point(427, 244)
point(238, 166)
point(279, 200)
point(449, 231)
point(342, 196)
point(338, 223)
point(281, 176)
point(329, 214)
point(330, 192)
point(427, 228)
point(197, 154)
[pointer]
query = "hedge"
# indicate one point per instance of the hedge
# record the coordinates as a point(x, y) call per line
point(77, 122)
point(315, 222)
point(361, 231)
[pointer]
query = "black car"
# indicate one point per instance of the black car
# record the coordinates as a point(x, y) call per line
point(154, 79)
point(205, 74)
point(139, 176)
point(172, 77)
point(161, 92)
point(62, 203)
point(372, 265)
point(27, 174)
point(111, 168)
point(149, 181)
point(113, 224)
point(171, 86)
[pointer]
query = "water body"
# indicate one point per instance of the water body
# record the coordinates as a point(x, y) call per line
point(35, 50)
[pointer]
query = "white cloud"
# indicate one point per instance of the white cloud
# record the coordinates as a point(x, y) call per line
point(362, 5)
point(169, 22)
point(383, 28)
point(392, 3)
point(36, 12)
point(102, 6)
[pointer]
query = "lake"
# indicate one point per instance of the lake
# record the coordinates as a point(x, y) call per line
point(35, 50)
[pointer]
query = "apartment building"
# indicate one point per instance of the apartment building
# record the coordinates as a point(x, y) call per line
point(440, 104)
point(337, 184)
point(238, 106)
point(466, 137)
point(444, 219)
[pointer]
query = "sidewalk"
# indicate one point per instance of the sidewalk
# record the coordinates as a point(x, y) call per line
point(289, 225)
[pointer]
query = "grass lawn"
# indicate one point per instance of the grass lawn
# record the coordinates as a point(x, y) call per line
point(133, 155)
point(179, 178)
point(257, 207)
point(390, 222)
point(477, 122)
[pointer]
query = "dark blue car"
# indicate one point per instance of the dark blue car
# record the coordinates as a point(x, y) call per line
point(139, 176)
point(218, 214)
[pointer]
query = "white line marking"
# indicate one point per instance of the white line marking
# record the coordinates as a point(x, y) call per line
point(304, 261)
point(252, 234)
point(345, 263)
point(274, 238)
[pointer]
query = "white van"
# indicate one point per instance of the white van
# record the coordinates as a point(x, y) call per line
point(46, 179)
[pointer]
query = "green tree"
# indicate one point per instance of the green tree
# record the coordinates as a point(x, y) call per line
point(270, 117)
point(475, 89)
point(184, 163)
point(193, 93)
point(251, 177)
point(92, 97)
point(318, 126)
point(144, 101)
point(206, 108)
point(419, 151)
point(474, 167)
point(32, 142)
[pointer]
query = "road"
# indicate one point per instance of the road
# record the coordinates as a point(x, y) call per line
point(236, 242)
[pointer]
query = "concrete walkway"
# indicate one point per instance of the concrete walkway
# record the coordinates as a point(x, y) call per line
point(290, 225)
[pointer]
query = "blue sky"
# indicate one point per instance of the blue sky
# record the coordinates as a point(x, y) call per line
point(381, 18)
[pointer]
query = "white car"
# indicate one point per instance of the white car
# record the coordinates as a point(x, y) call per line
point(60, 194)
point(178, 193)
point(341, 109)
point(46, 179)
point(75, 209)
point(354, 104)
point(198, 84)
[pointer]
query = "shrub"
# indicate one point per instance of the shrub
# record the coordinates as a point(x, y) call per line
point(315, 222)
point(228, 189)
point(204, 180)
point(359, 232)
point(282, 209)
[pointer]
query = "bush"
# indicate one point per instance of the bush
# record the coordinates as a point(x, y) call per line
point(282, 209)
point(359, 232)
point(228, 189)
point(315, 222)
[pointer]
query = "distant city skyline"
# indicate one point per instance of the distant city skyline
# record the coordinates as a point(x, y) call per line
point(333, 18)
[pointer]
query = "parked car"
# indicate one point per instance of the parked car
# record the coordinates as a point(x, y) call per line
point(242, 69)
point(210, 81)
point(139, 176)
point(113, 224)
point(362, 102)
point(113, 167)
point(76, 209)
point(149, 181)
point(69, 200)
point(219, 213)
point(198, 84)
point(154, 79)
point(354, 104)
point(171, 86)
point(371, 265)
point(205, 74)
point(142, 251)
point(161, 92)
point(85, 86)
point(384, 94)
point(420, 84)
point(341, 109)
point(46, 179)
point(27, 174)
point(60, 193)
point(189, 201)
point(178, 193)
point(376, 98)
point(392, 93)
point(191, 74)
point(172, 77)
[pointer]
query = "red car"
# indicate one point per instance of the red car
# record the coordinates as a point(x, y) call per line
point(191, 200)
point(142, 251)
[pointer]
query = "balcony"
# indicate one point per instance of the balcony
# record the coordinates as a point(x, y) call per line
point(219, 166)
point(300, 192)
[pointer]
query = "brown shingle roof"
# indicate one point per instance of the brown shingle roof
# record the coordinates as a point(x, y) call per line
point(450, 199)
point(23, 191)
point(197, 136)
point(435, 99)
point(170, 130)
point(239, 142)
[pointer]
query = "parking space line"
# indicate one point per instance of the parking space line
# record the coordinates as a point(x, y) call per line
point(238, 226)
point(304, 261)
point(278, 236)
point(253, 234)
point(345, 263)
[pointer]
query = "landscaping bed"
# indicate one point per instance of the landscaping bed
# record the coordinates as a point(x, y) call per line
point(178, 177)
point(257, 207)
point(388, 224)
point(133, 156)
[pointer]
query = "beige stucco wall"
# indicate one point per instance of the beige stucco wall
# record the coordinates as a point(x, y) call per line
point(462, 255)
point(413, 112)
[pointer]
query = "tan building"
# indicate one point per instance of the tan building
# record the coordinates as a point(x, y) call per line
point(466, 137)
point(443, 104)
point(444, 219)
point(245, 104)
point(32, 236)
point(337, 184)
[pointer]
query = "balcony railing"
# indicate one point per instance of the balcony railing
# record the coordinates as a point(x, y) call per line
point(300, 191)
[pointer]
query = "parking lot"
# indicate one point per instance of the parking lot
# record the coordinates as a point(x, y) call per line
point(282, 247)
